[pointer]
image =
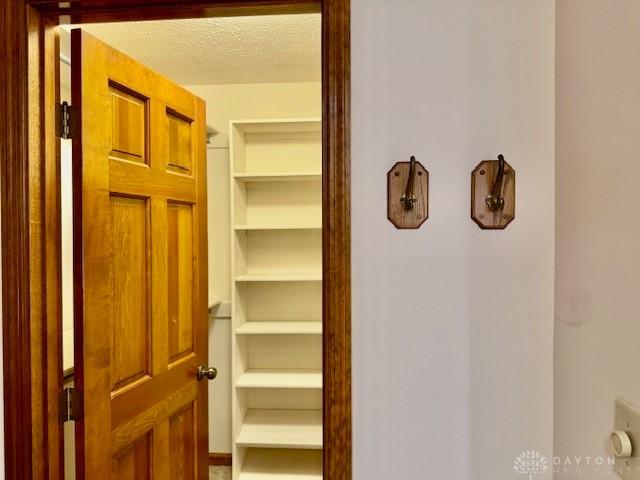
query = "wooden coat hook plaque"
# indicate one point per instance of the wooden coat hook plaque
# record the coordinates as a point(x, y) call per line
point(493, 194)
point(408, 194)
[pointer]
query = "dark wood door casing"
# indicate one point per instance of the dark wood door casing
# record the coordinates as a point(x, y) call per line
point(30, 216)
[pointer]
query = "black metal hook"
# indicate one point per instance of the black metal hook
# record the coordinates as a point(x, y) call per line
point(408, 199)
point(495, 200)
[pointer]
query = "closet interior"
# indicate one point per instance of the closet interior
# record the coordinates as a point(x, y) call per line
point(260, 80)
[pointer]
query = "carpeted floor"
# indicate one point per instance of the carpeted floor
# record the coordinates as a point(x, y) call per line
point(219, 473)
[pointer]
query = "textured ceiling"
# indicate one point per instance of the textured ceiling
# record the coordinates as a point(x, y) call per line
point(279, 48)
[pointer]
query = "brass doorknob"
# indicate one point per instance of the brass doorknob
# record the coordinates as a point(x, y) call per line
point(208, 372)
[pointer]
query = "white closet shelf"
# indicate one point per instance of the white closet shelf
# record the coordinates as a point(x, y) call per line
point(282, 465)
point(277, 125)
point(295, 429)
point(280, 277)
point(290, 226)
point(282, 378)
point(278, 176)
point(280, 328)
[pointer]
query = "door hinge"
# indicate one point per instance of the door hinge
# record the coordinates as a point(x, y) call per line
point(71, 408)
point(67, 121)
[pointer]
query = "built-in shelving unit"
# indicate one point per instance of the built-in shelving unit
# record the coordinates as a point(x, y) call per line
point(276, 212)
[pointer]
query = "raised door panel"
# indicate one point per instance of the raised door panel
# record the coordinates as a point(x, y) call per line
point(180, 277)
point(134, 462)
point(131, 322)
point(128, 125)
point(181, 439)
point(180, 143)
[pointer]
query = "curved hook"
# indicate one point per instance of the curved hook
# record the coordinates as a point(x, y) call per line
point(408, 199)
point(495, 200)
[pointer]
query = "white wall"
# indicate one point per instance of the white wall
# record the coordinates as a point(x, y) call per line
point(597, 223)
point(226, 102)
point(452, 326)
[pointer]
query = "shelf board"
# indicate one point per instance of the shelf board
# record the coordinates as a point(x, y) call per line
point(277, 464)
point(280, 277)
point(295, 429)
point(283, 378)
point(278, 176)
point(280, 328)
point(290, 226)
point(278, 125)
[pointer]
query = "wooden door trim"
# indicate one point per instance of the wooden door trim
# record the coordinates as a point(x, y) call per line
point(30, 217)
point(220, 459)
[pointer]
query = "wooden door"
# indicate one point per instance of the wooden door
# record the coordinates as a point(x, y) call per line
point(140, 269)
